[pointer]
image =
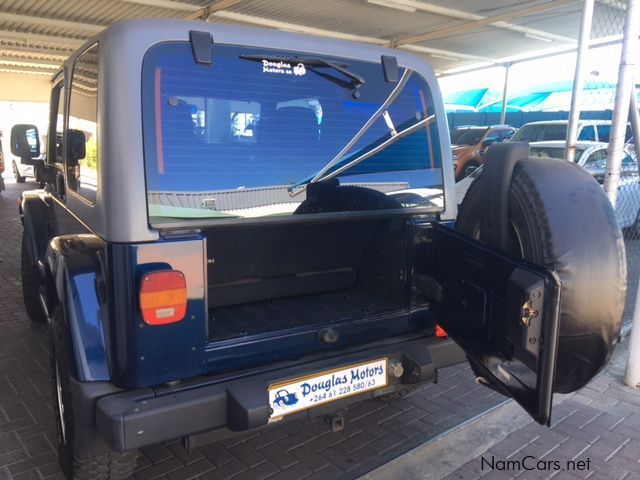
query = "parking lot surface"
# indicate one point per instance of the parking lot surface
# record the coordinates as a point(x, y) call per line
point(376, 431)
point(595, 433)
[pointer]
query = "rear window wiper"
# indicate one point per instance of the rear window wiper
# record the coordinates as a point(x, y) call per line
point(309, 62)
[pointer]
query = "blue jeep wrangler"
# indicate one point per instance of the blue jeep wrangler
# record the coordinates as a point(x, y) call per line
point(241, 227)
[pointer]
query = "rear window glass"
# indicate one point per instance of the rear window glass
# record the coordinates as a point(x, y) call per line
point(244, 136)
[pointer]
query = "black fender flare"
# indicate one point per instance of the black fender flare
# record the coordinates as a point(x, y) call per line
point(36, 213)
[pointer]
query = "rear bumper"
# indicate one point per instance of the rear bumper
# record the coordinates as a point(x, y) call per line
point(133, 419)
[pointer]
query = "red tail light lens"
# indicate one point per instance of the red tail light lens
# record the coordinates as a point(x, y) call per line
point(440, 332)
point(163, 297)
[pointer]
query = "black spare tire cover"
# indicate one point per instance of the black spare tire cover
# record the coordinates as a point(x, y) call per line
point(561, 219)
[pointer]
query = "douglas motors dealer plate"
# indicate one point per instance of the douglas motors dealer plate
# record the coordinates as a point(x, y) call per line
point(311, 390)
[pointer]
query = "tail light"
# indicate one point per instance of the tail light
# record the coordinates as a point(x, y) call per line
point(440, 332)
point(163, 297)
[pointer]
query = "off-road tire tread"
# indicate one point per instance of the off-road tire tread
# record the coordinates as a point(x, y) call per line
point(19, 178)
point(108, 466)
point(31, 282)
point(566, 224)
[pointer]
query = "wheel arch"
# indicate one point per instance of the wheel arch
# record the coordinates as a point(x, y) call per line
point(35, 213)
point(72, 272)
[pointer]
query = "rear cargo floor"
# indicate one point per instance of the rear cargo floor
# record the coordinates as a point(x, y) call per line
point(278, 314)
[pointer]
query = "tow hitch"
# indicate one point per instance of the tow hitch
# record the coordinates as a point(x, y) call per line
point(336, 421)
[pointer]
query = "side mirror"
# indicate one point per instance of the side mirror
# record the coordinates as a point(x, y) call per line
point(25, 142)
point(76, 147)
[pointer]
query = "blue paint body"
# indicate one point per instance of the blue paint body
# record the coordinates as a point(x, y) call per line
point(149, 355)
point(73, 262)
point(87, 329)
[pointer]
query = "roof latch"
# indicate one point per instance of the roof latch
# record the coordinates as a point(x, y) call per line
point(390, 68)
point(202, 46)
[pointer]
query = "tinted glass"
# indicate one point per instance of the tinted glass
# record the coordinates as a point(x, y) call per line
point(471, 136)
point(456, 134)
point(59, 127)
point(588, 133)
point(500, 135)
point(493, 136)
point(244, 136)
point(629, 164)
point(82, 142)
point(598, 157)
point(548, 152)
point(604, 133)
point(540, 132)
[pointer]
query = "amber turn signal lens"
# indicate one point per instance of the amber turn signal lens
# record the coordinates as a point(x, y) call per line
point(440, 332)
point(163, 297)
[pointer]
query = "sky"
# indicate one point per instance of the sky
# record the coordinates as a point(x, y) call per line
point(602, 66)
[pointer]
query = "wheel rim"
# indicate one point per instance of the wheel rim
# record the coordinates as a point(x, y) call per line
point(470, 169)
point(60, 403)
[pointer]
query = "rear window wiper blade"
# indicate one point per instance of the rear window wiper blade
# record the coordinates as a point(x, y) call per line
point(356, 80)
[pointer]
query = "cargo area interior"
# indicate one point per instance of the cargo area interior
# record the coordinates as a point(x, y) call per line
point(265, 278)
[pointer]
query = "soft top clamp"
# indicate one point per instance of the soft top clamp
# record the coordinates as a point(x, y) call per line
point(202, 46)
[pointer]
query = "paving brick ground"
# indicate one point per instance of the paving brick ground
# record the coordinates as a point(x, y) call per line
point(597, 430)
point(377, 431)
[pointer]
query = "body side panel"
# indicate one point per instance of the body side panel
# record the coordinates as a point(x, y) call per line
point(148, 355)
point(75, 265)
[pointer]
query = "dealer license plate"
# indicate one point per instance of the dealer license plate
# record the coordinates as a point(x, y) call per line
point(311, 390)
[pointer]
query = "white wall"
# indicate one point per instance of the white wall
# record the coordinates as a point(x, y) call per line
point(23, 99)
point(23, 87)
point(11, 113)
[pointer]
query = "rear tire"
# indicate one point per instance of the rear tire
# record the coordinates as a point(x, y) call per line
point(16, 173)
point(108, 466)
point(561, 219)
point(31, 282)
point(37, 175)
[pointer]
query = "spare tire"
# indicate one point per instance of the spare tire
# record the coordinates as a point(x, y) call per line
point(561, 219)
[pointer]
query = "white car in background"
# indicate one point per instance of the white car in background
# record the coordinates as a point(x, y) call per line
point(588, 130)
point(592, 156)
point(627, 205)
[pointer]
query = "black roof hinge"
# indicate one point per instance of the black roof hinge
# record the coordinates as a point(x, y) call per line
point(202, 46)
point(390, 68)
